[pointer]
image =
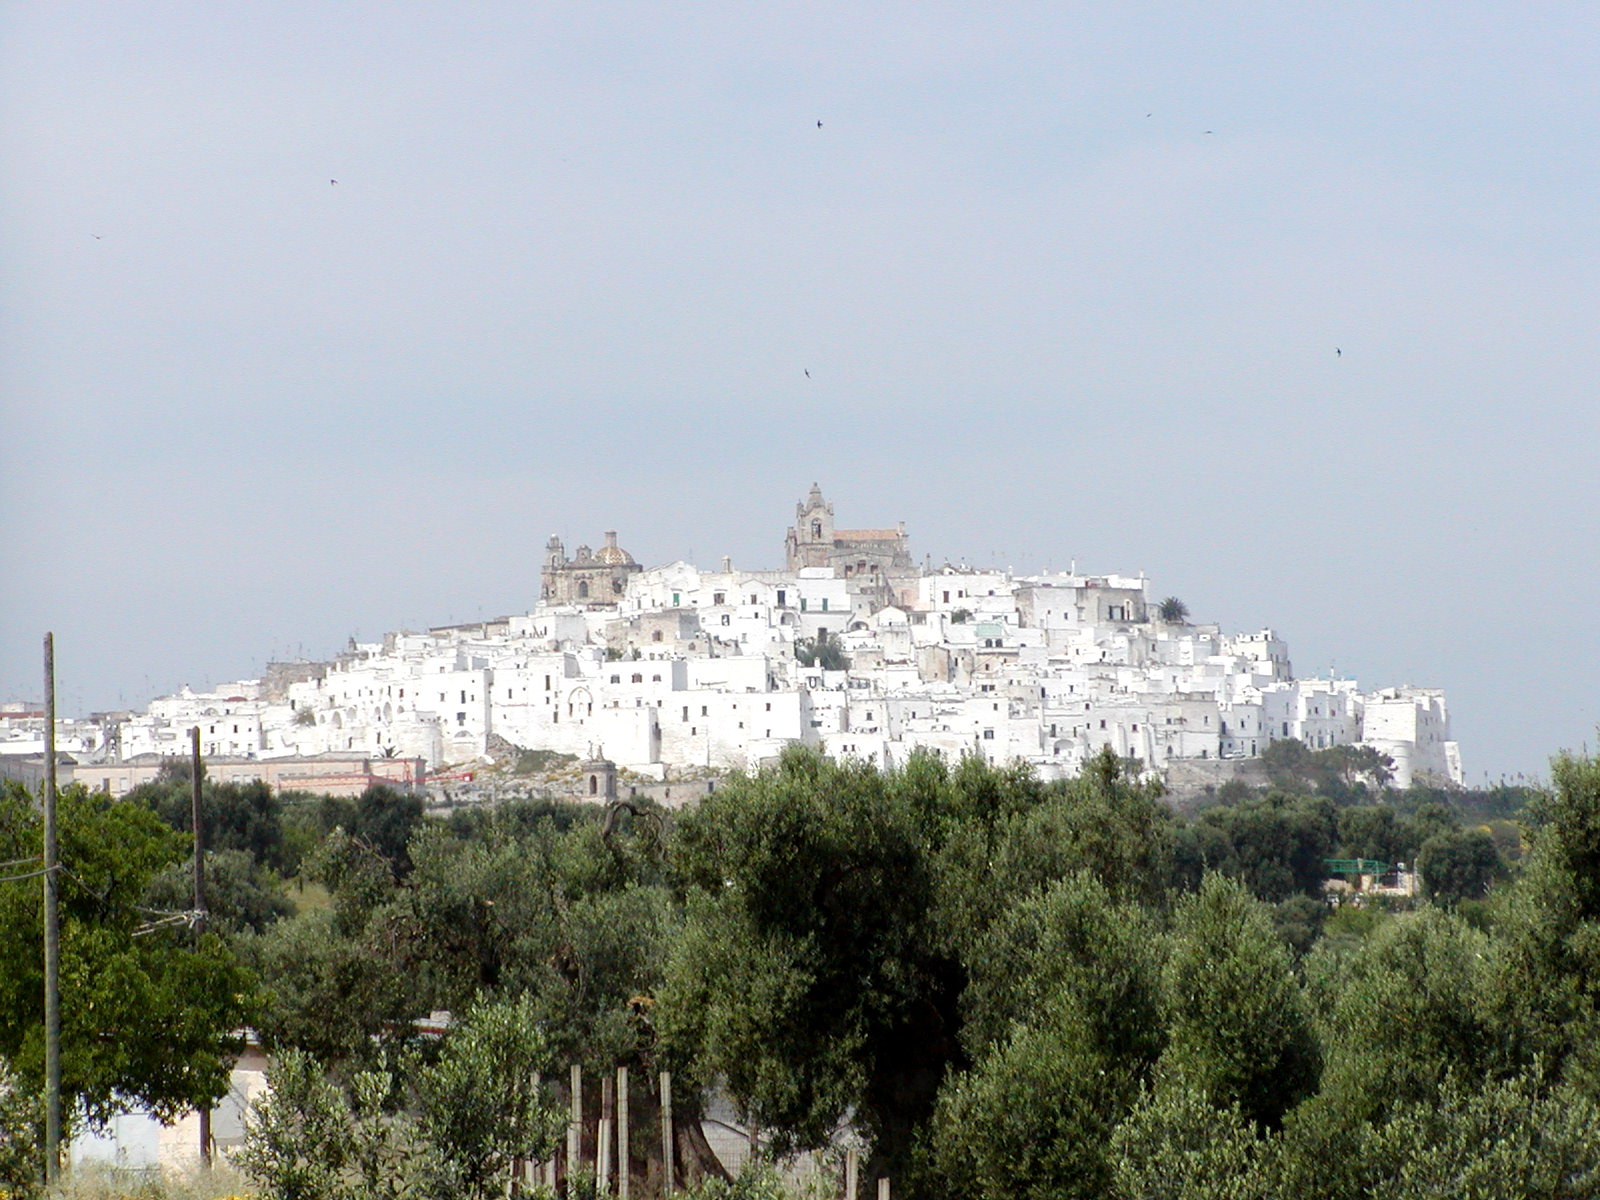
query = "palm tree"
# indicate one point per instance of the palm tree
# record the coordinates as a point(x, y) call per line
point(1173, 611)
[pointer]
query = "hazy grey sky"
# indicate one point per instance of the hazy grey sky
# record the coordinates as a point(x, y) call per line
point(1068, 279)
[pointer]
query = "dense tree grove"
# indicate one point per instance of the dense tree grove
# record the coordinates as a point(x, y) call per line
point(1008, 988)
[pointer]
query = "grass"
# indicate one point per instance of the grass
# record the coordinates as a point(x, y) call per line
point(219, 1182)
point(306, 895)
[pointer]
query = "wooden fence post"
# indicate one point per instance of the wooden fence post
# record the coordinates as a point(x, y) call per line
point(666, 1133)
point(575, 1126)
point(602, 1149)
point(622, 1133)
point(852, 1173)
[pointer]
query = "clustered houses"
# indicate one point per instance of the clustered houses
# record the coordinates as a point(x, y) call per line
point(850, 647)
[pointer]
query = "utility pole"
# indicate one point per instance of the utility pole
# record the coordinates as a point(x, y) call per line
point(52, 933)
point(195, 779)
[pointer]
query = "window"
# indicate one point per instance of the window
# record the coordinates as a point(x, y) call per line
point(637, 678)
point(655, 679)
point(719, 597)
point(726, 619)
point(816, 529)
point(677, 599)
point(703, 711)
point(583, 589)
point(616, 679)
point(824, 604)
point(783, 598)
point(988, 735)
point(655, 635)
point(461, 718)
point(802, 604)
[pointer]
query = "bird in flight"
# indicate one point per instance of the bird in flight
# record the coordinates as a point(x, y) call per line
point(819, 124)
point(1338, 353)
point(99, 237)
point(808, 374)
point(332, 182)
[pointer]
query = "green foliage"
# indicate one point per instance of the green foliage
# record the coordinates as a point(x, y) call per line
point(385, 820)
point(534, 899)
point(240, 895)
point(835, 912)
point(758, 1181)
point(1034, 1118)
point(1106, 822)
point(1236, 1026)
point(807, 973)
point(1400, 1012)
point(445, 1131)
point(146, 1019)
point(1491, 1140)
point(236, 816)
point(1070, 940)
point(1344, 773)
point(1299, 921)
point(1063, 1020)
point(1458, 865)
point(538, 762)
point(21, 1119)
point(1275, 844)
point(1049, 990)
point(1547, 948)
point(1178, 1144)
point(330, 990)
point(1173, 611)
point(825, 650)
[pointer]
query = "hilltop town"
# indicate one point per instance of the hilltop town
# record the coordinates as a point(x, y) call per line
point(850, 646)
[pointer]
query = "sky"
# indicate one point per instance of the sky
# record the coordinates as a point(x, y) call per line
point(317, 319)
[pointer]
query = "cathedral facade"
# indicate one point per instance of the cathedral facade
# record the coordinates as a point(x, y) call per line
point(863, 555)
point(591, 578)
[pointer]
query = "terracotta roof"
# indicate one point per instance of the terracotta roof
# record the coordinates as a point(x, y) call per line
point(867, 535)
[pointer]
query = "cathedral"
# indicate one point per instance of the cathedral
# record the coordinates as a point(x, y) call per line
point(864, 555)
point(591, 579)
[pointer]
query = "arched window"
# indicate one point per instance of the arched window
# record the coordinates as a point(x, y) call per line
point(816, 529)
point(594, 785)
point(583, 589)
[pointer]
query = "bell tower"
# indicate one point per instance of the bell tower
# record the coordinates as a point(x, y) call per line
point(810, 541)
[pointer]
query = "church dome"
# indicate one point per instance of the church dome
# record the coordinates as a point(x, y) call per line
point(612, 554)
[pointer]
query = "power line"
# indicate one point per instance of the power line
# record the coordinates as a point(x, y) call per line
point(29, 875)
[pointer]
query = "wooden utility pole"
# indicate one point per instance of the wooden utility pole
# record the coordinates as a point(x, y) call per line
point(52, 933)
point(195, 778)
